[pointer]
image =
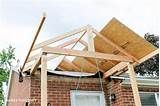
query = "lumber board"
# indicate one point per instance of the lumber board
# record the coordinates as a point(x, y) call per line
point(67, 43)
point(35, 65)
point(120, 67)
point(115, 45)
point(44, 80)
point(58, 38)
point(34, 40)
point(134, 85)
point(68, 65)
point(90, 39)
point(69, 52)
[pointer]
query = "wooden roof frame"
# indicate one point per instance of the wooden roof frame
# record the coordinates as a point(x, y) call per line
point(56, 51)
point(127, 61)
point(59, 49)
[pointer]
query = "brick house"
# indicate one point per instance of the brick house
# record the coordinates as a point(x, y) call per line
point(108, 77)
point(60, 89)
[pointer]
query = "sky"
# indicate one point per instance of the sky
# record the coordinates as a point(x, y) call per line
point(19, 19)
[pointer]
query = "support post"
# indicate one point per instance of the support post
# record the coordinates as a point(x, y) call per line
point(90, 39)
point(134, 85)
point(44, 80)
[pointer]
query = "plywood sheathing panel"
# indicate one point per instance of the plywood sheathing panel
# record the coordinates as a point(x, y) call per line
point(67, 66)
point(85, 65)
point(122, 36)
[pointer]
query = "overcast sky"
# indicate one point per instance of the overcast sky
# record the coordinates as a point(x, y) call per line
point(19, 18)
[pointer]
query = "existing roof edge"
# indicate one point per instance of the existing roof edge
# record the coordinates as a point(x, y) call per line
point(141, 81)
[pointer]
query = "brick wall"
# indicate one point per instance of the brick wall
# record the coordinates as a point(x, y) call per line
point(127, 94)
point(124, 95)
point(59, 89)
point(114, 87)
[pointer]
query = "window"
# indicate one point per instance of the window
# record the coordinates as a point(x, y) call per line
point(149, 98)
point(87, 98)
point(157, 98)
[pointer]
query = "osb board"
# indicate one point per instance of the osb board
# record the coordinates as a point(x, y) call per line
point(67, 66)
point(122, 36)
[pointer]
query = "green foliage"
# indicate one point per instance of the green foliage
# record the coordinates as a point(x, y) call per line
point(6, 58)
point(151, 66)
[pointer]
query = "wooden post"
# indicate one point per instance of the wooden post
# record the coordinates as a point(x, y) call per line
point(134, 85)
point(44, 80)
point(90, 39)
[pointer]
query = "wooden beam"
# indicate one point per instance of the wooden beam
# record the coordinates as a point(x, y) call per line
point(44, 80)
point(120, 66)
point(73, 41)
point(150, 55)
point(83, 42)
point(59, 46)
point(69, 52)
point(58, 38)
point(90, 39)
point(48, 58)
point(76, 42)
point(91, 46)
point(134, 85)
point(67, 43)
point(34, 40)
point(55, 55)
point(35, 65)
point(115, 45)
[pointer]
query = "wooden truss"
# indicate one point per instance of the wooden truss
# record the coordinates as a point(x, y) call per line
point(126, 60)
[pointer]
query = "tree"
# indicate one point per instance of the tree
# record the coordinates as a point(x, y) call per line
point(151, 66)
point(6, 58)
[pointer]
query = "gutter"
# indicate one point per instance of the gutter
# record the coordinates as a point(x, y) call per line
point(142, 82)
point(138, 78)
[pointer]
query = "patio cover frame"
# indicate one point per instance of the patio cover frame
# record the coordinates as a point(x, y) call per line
point(126, 61)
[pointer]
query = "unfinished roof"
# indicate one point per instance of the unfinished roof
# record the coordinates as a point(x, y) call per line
point(114, 45)
point(122, 36)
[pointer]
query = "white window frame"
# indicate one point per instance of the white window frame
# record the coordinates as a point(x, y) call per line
point(157, 99)
point(155, 93)
point(74, 93)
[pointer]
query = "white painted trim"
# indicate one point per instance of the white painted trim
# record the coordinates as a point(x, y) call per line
point(157, 99)
point(8, 88)
point(74, 93)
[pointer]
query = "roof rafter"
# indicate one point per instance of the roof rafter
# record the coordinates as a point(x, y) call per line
point(114, 45)
point(35, 65)
point(58, 38)
point(73, 41)
point(65, 60)
point(122, 65)
point(67, 43)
